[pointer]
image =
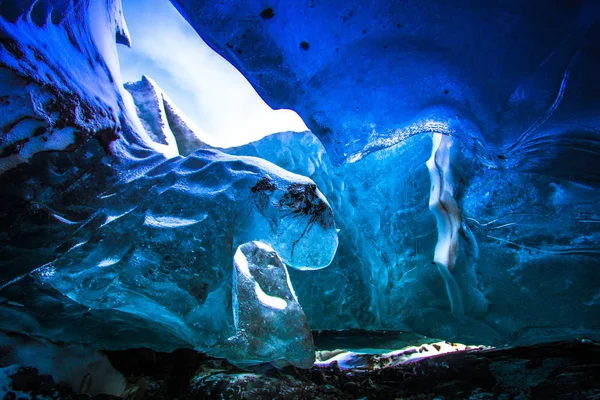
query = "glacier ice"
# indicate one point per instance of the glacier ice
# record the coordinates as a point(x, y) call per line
point(442, 203)
point(366, 75)
point(123, 228)
point(447, 215)
point(160, 116)
point(522, 246)
point(112, 238)
point(161, 249)
point(267, 315)
point(519, 107)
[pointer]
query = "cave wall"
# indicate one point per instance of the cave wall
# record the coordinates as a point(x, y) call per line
point(527, 260)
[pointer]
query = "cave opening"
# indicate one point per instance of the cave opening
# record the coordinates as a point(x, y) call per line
point(172, 229)
point(299, 151)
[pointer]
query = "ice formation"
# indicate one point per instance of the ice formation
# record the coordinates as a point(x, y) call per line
point(516, 83)
point(509, 254)
point(267, 315)
point(447, 215)
point(161, 249)
point(161, 118)
point(110, 236)
point(123, 228)
point(524, 245)
point(442, 203)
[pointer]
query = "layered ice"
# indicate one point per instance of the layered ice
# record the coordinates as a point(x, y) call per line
point(517, 81)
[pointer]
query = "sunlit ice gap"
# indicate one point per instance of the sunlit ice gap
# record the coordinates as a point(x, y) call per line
point(446, 191)
point(217, 99)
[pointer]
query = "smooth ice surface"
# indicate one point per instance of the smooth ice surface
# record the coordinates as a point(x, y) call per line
point(110, 237)
point(516, 80)
point(525, 255)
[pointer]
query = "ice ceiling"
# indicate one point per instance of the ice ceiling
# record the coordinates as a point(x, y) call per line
point(517, 79)
point(452, 190)
point(207, 88)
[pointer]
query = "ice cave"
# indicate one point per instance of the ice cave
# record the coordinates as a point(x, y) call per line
point(434, 234)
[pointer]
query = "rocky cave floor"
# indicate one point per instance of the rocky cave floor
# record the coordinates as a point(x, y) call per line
point(560, 370)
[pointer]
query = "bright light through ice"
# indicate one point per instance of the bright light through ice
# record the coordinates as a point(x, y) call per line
point(209, 90)
point(269, 301)
point(365, 360)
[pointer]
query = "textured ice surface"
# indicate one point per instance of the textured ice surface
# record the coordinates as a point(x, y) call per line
point(517, 80)
point(158, 255)
point(267, 315)
point(525, 256)
point(109, 236)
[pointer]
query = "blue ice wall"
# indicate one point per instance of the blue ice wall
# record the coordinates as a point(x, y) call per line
point(516, 80)
point(526, 269)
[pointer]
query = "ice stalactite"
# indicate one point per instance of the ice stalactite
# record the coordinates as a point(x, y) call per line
point(443, 206)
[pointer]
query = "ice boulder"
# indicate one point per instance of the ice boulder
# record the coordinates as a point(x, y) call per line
point(157, 259)
point(267, 315)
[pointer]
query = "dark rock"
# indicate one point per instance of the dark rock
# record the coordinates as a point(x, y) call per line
point(318, 377)
point(561, 370)
point(267, 13)
point(552, 370)
point(29, 380)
